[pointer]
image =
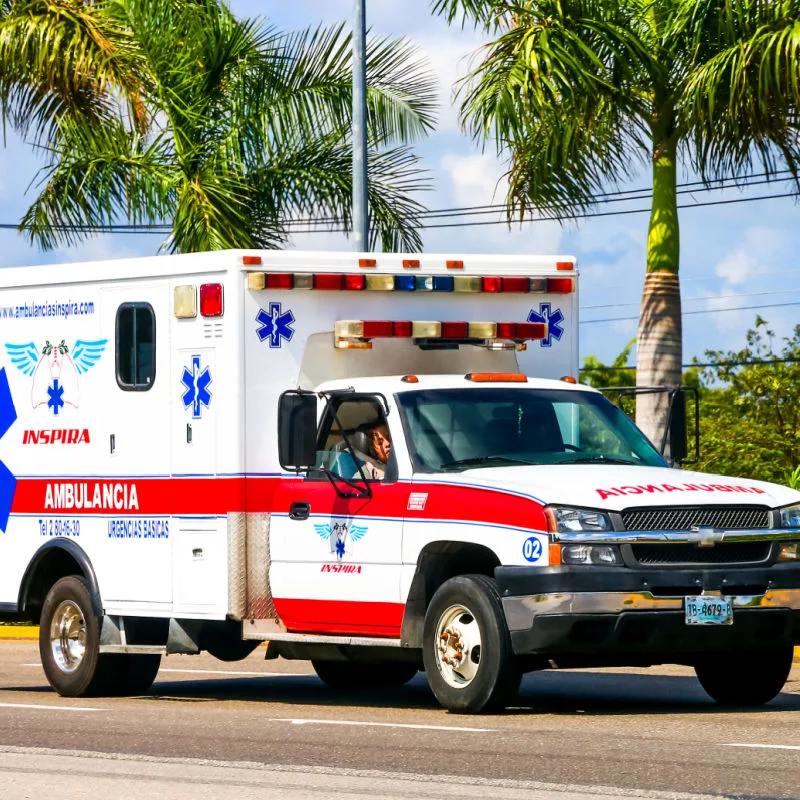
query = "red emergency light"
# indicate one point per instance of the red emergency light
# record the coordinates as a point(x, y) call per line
point(211, 300)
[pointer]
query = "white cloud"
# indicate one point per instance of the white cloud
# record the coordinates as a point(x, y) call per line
point(449, 57)
point(755, 256)
point(476, 179)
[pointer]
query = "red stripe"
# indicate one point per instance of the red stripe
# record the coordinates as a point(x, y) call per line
point(218, 496)
point(340, 616)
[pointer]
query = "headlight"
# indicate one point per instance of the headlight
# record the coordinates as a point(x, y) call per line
point(789, 551)
point(790, 516)
point(569, 520)
point(607, 555)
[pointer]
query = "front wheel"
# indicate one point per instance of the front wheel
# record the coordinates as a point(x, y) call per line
point(467, 651)
point(749, 678)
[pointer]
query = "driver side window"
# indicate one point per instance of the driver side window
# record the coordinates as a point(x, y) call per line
point(361, 423)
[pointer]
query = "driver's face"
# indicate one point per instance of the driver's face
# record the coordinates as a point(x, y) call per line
point(381, 443)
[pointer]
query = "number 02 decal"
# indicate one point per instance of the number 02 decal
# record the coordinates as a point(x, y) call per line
point(532, 549)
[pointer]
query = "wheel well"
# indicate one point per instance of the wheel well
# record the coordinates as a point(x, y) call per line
point(437, 563)
point(53, 561)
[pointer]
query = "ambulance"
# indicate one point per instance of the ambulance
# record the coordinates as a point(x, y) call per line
point(380, 463)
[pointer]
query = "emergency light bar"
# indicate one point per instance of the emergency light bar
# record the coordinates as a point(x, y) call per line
point(358, 333)
point(409, 283)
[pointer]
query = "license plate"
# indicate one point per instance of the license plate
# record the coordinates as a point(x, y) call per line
point(708, 610)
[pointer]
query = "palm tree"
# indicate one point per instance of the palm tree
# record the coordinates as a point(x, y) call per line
point(225, 129)
point(580, 94)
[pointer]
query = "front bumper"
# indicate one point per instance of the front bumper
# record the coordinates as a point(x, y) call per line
point(621, 615)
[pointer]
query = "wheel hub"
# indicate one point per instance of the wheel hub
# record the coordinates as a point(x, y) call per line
point(458, 646)
point(68, 637)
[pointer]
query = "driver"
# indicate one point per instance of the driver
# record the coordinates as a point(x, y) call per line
point(381, 444)
point(377, 446)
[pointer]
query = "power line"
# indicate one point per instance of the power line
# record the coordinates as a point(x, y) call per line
point(709, 364)
point(708, 297)
point(795, 271)
point(698, 311)
point(739, 181)
point(329, 224)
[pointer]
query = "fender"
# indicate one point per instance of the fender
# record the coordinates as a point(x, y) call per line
point(78, 555)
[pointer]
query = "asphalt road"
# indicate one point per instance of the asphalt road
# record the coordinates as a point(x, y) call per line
point(271, 729)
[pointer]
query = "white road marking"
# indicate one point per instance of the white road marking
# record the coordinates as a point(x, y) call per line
point(48, 708)
point(381, 725)
point(766, 746)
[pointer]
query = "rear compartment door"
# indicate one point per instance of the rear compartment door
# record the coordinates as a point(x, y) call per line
point(198, 546)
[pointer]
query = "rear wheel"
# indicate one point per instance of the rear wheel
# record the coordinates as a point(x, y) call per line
point(749, 678)
point(69, 646)
point(224, 641)
point(360, 675)
point(467, 650)
point(69, 639)
point(127, 674)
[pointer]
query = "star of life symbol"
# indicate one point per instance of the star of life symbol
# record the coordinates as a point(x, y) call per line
point(8, 483)
point(276, 325)
point(337, 534)
point(55, 368)
point(552, 319)
point(55, 394)
point(196, 381)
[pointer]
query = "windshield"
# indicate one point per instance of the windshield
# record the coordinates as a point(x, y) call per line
point(457, 429)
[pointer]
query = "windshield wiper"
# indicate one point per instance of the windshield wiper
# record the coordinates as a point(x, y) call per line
point(601, 460)
point(477, 461)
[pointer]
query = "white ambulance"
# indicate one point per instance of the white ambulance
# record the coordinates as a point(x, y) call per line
point(381, 463)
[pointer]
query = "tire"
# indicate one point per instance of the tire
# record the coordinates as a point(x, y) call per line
point(224, 642)
point(749, 678)
point(361, 675)
point(69, 647)
point(126, 675)
point(69, 640)
point(466, 647)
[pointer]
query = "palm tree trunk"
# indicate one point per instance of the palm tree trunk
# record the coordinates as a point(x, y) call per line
point(659, 347)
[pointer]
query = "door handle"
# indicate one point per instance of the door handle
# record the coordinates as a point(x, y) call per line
point(300, 511)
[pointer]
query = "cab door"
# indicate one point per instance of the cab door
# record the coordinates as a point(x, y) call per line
point(335, 539)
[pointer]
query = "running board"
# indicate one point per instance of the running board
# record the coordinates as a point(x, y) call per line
point(134, 649)
point(313, 638)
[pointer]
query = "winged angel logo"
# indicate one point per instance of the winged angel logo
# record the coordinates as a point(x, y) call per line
point(55, 370)
point(340, 536)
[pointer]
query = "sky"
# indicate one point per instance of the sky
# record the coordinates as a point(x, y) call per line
point(739, 254)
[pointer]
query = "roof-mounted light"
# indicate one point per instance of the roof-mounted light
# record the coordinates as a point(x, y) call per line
point(493, 335)
point(496, 377)
point(406, 282)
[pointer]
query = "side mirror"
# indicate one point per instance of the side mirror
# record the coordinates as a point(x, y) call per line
point(676, 435)
point(297, 430)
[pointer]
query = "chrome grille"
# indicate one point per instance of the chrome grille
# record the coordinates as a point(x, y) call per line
point(688, 517)
point(690, 554)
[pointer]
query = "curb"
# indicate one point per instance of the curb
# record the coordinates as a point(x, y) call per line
point(24, 632)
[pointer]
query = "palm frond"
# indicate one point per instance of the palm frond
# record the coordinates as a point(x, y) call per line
point(61, 57)
point(741, 100)
point(316, 179)
point(97, 175)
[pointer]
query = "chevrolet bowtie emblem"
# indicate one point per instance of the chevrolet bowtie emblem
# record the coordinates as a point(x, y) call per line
point(706, 536)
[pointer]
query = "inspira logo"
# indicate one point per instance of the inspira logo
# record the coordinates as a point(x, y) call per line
point(55, 369)
point(340, 535)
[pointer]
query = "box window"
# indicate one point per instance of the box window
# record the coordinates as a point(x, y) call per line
point(136, 346)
